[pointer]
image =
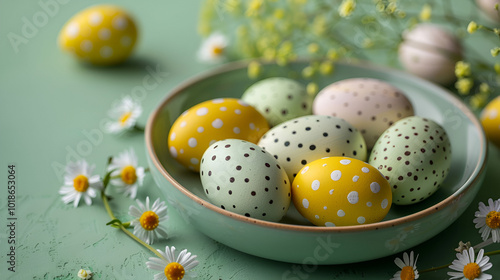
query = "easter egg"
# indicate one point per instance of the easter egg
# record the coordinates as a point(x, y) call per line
point(430, 52)
point(299, 141)
point(414, 155)
point(210, 121)
point(490, 120)
point(370, 105)
point(100, 35)
point(241, 177)
point(279, 99)
point(341, 191)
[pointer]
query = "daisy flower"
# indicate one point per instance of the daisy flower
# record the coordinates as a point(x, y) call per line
point(408, 268)
point(125, 114)
point(127, 176)
point(468, 269)
point(173, 268)
point(84, 274)
point(213, 48)
point(488, 220)
point(147, 220)
point(79, 182)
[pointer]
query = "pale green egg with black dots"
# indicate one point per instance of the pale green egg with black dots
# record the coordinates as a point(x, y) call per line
point(300, 141)
point(279, 99)
point(414, 155)
point(243, 178)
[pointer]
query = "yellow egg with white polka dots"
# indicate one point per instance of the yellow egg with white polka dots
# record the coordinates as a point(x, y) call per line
point(101, 35)
point(208, 122)
point(341, 191)
point(490, 119)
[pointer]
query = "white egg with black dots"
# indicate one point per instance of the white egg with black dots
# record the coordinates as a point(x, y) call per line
point(299, 141)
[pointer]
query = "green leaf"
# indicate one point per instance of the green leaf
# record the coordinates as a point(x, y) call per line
point(107, 178)
point(115, 223)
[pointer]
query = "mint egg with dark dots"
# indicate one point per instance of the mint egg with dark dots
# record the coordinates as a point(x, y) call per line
point(414, 155)
point(302, 140)
point(279, 99)
point(243, 178)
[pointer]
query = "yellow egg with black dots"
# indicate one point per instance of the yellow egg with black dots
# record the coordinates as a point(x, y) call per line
point(490, 120)
point(100, 35)
point(341, 191)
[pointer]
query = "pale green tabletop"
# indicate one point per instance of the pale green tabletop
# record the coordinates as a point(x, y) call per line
point(51, 111)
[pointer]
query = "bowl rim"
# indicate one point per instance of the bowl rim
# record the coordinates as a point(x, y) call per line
point(231, 66)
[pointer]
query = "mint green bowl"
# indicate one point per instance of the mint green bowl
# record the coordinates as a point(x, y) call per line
point(294, 239)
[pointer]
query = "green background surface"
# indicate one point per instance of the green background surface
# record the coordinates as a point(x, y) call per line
point(51, 111)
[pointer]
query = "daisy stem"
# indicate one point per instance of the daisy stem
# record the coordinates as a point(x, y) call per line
point(492, 253)
point(138, 128)
point(447, 265)
point(122, 227)
point(484, 244)
point(434, 268)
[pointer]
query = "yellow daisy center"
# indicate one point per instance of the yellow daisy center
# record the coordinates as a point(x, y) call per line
point(407, 273)
point(472, 271)
point(217, 50)
point(149, 220)
point(174, 271)
point(128, 175)
point(493, 219)
point(81, 183)
point(124, 118)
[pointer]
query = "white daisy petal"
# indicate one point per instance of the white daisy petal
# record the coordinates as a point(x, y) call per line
point(212, 48)
point(141, 206)
point(191, 263)
point(153, 230)
point(481, 223)
point(487, 266)
point(160, 276)
point(87, 199)
point(66, 189)
point(72, 193)
point(69, 198)
point(185, 259)
point(164, 255)
point(133, 192)
point(399, 263)
point(456, 275)
point(77, 199)
point(170, 254)
point(133, 211)
point(408, 261)
point(467, 257)
point(124, 114)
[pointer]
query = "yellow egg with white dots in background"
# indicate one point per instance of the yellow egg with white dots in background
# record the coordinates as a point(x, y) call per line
point(490, 120)
point(341, 191)
point(100, 35)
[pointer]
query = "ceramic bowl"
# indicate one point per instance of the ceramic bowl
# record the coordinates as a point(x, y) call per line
point(294, 239)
